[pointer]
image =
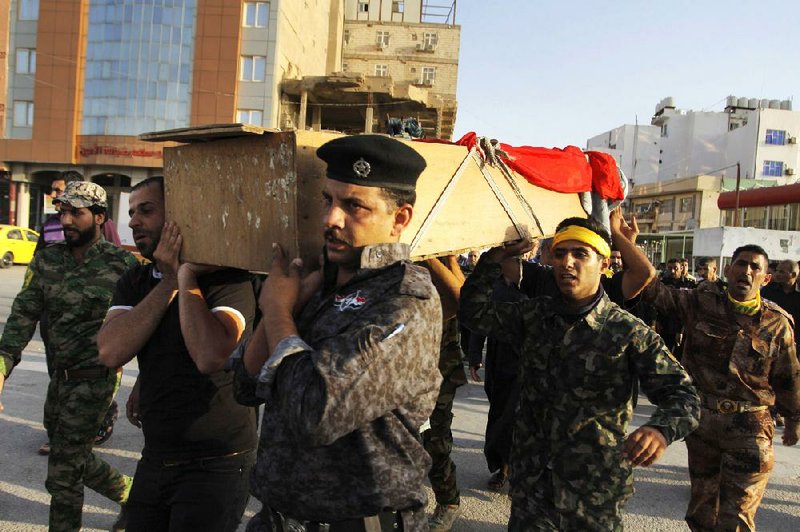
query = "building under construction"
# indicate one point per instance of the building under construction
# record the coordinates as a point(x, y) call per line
point(399, 60)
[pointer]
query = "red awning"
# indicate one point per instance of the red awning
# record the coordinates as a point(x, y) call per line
point(760, 197)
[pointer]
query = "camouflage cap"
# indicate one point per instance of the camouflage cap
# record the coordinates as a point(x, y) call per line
point(81, 194)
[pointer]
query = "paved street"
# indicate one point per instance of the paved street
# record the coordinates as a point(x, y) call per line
point(658, 505)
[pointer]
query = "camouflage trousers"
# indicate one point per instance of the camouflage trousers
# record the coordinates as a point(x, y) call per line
point(555, 504)
point(73, 412)
point(438, 440)
point(730, 459)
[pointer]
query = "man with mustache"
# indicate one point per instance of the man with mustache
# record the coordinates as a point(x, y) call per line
point(72, 281)
point(740, 351)
point(580, 355)
point(347, 366)
point(53, 232)
point(181, 321)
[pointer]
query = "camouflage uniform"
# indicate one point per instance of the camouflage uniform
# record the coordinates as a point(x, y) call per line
point(438, 439)
point(737, 368)
point(576, 377)
point(75, 297)
point(339, 438)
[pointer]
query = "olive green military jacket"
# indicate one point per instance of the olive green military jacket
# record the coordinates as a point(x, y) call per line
point(75, 296)
point(577, 379)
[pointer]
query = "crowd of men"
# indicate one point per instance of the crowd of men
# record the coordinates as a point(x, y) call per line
point(353, 368)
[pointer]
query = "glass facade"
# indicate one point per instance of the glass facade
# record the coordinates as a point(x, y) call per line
point(138, 70)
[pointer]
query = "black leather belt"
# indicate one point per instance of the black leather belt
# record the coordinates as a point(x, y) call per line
point(201, 460)
point(383, 521)
point(84, 374)
point(729, 406)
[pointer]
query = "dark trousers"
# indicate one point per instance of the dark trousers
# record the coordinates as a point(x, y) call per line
point(502, 391)
point(209, 494)
point(438, 442)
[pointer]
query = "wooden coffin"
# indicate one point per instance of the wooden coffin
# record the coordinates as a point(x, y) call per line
point(235, 189)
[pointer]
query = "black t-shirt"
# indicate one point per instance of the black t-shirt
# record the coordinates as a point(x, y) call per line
point(186, 414)
point(788, 301)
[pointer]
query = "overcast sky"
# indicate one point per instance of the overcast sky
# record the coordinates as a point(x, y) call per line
point(555, 72)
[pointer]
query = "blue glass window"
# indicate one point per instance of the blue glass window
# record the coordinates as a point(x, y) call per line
point(139, 61)
point(776, 136)
point(773, 168)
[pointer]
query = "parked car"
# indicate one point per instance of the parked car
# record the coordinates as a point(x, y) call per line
point(17, 245)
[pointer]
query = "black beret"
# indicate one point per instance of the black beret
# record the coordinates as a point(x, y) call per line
point(372, 161)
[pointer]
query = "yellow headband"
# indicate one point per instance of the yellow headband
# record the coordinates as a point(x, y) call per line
point(581, 234)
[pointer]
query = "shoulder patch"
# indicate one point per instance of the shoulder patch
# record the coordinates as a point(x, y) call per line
point(416, 281)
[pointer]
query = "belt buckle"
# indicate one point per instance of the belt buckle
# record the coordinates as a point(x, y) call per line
point(727, 406)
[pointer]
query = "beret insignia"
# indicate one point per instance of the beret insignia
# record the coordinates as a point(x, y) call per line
point(362, 168)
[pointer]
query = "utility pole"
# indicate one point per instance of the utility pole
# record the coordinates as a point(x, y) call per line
point(738, 182)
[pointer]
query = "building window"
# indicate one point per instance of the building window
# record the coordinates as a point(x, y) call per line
point(346, 37)
point(776, 136)
point(667, 206)
point(255, 14)
point(754, 217)
point(363, 7)
point(430, 39)
point(28, 9)
point(253, 68)
point(398, 6)
point(26, 61)
point(428, 76)
point(773, 168)
point(664, 130)
point(382, 38)
point(345, 67)
point(23, 114)
point(382, 70)
point(250, 116)
point(687, 204)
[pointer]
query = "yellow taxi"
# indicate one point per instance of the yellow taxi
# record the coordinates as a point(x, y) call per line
point(17, 245)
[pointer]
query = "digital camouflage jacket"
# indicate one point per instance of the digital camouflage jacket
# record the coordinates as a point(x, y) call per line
point(340, 432)
point(75, 296)
point(576, 393)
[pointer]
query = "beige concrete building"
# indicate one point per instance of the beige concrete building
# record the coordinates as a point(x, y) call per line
point(677, 205)
point(412, 43)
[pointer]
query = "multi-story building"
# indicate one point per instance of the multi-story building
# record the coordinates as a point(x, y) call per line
point(410, 42)
point(83, 78)
point(635, 148)
point(759, 135)
point(676, 205)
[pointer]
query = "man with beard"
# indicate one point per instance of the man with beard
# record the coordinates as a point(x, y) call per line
point(740, 351)
point(181, 321)
point(348, 366)
point(52, 232)
point(615, 264)
point(73, 282)
point(580, 355)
